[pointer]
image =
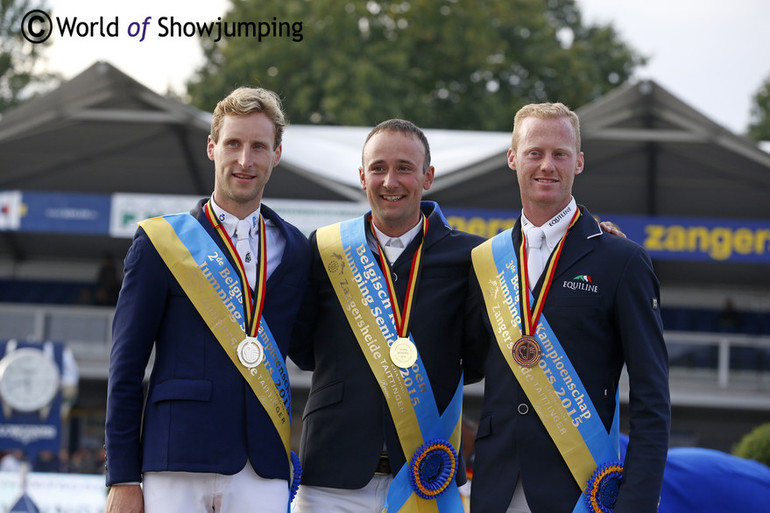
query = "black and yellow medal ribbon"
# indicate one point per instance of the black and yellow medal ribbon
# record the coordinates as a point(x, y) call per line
point(403, 318)
point(531, 315)
point(252, 305)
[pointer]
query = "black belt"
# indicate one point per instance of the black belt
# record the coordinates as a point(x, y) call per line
point(383, 466)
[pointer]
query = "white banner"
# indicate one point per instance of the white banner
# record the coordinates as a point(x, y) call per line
point(55, 493)
point(307, 215)
point(11, 210)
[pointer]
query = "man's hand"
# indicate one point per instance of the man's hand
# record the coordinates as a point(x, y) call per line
point(610, 227)
point(125, 499)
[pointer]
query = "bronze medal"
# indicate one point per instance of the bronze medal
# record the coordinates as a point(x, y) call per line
point(526, 351)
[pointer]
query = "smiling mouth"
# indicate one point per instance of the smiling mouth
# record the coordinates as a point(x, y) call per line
point(242, 176)
point(391, 198)
point(546, 180)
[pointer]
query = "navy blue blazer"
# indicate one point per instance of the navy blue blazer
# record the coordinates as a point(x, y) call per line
point(346, 419)
point(200, 414)
point(615, 321)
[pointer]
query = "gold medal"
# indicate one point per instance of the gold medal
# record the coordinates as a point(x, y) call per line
point(403, 353)
point(526, 351)
point(250, 352)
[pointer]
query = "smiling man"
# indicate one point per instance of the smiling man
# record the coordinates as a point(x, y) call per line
point(215, 293)
point(570, 306)
point(386, 331)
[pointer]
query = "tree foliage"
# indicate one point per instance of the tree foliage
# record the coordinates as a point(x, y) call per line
point(441, 63)
point(18, 57)
point(759, 126)
point(755, 445)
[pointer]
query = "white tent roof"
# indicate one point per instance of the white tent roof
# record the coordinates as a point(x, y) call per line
point(334, 152)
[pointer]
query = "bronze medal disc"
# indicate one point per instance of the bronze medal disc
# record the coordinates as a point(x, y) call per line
point(526, 351)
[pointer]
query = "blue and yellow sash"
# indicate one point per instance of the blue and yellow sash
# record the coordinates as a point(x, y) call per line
point(552, 385)
point(426, 483)
point(216, 290)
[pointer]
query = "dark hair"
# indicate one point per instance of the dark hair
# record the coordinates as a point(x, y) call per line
point(405, 127)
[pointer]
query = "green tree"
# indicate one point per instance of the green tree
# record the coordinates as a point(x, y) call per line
point(19, 73)
point(759, 127)
point(755, 445)
point(440, 63)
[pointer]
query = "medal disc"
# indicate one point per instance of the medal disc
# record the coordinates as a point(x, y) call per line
point(250, 352)
point(403, 353)
point(526, 351)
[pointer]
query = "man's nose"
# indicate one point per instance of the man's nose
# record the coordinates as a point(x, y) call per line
point(245, 159)
point(547, 164)
point(391, 178)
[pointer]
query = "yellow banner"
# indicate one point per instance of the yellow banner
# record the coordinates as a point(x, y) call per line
point(339, 264)
point(534, 382)
point(218, 318)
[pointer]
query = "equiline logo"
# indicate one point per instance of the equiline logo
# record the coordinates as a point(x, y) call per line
point(581, 282)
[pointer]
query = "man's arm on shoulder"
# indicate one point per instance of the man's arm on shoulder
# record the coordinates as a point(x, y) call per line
point(610, 227)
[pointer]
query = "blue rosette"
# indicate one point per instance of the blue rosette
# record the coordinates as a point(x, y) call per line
point(296, 476)
point(602, 488)
point(432, 468)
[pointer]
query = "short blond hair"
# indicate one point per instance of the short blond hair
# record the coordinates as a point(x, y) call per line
point(247, 100)
point(545, 111)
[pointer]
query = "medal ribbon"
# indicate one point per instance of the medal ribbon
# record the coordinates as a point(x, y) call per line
point(253, 305)
point(358, 283)
point(553, 385)
point(403, 319)
point(531, 316)
point(208, 279)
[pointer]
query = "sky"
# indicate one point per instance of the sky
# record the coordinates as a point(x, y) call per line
point(713, 56)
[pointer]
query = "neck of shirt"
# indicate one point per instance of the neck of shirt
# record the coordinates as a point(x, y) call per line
point(555, 228)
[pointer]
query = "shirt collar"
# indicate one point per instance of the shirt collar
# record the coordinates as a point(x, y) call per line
point(230, 222)
point(555, 228)
point(405, 239)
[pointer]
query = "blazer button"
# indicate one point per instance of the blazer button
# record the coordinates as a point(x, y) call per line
point(523, 409)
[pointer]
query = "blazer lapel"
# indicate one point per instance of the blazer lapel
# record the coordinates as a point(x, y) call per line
point(576, 246)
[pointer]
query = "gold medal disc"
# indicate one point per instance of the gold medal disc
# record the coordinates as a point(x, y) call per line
point(403, 353)
point(526, 351)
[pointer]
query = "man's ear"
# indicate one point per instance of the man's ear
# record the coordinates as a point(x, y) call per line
point(511, 159)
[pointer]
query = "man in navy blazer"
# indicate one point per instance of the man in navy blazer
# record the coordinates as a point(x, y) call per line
point(350, 450)
point(602, 304)
point(200, 440)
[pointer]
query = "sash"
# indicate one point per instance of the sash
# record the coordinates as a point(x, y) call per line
point(362, 292)
point(552, 386)
point(217, 292)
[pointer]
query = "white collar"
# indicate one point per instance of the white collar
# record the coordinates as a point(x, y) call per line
point(230, 222)
point(405, 239)
point(555, 228)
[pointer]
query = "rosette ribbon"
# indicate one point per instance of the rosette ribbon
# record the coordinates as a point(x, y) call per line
point(602, 488)
point(296, 476)
point(432, 468)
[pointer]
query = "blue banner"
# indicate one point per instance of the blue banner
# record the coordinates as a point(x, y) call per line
point(86, 214)
point(29, 421)
point(664, 238)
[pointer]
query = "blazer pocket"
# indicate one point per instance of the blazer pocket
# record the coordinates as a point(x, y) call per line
point(182, 390)
point(325, 396)
point(485, 427)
